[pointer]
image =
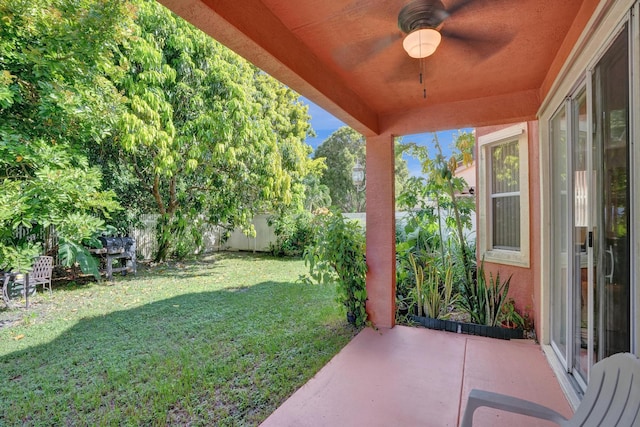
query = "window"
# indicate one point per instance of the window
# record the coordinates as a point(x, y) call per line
point(504, 196)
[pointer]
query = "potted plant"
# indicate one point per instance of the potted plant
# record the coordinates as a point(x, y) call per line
point(509, 317)
point(338, 256)
point(483, 299)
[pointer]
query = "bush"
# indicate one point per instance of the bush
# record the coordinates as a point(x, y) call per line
point(338, 256)
point(484, 299)
point(294, 232)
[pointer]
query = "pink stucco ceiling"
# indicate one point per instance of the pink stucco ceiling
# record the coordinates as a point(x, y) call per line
point(347, 56)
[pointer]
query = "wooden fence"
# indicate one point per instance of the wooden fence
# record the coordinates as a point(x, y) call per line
point(47, 236)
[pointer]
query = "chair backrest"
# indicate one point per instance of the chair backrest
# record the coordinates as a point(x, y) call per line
point(613, 394)
point(42, 268)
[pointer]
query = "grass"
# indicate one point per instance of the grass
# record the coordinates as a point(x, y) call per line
point(219, 341)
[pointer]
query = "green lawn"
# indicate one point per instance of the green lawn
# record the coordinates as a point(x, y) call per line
point(219, 341)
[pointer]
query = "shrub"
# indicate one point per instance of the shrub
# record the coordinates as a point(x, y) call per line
point(294, 232)
point(338, 256)
point(484, 300)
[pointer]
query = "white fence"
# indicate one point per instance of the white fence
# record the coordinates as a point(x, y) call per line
point(212, 238)
point(146, 242)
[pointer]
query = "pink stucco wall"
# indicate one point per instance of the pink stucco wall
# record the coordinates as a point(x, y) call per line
point(525, 286)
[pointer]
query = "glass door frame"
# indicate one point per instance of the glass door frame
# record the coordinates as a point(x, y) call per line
point(561, 262)
point(634, 184)
point(573, 295)
point(583, 89)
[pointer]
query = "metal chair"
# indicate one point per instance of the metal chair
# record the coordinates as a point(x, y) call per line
point(40, 273)
point(612, 398)
point(4, 282)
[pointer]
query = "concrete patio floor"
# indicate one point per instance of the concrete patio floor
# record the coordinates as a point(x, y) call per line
point(418, 377)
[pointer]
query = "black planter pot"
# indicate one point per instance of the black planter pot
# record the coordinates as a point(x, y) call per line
point(469, 328)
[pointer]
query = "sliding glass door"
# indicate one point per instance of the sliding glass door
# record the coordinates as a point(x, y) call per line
point(611, 117)
point(590, 169)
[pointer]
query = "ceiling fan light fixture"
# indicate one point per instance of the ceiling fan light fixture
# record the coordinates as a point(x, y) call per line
point(422, 42)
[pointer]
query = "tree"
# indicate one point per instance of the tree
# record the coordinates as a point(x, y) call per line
point(401, 168)
point(341, 150)
point(429, 199)
point(178, 124)
point(205, 132)
point(50, 187)
point(317, 195)
point(52, 69)
point(53, 99)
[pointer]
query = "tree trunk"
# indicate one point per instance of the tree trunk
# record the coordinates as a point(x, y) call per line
point(165, 226)
point(456, 213)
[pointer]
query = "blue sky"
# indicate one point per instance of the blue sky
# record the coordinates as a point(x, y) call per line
point(324, 124)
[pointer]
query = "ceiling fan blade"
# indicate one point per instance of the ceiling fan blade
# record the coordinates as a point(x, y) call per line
point(481, 45)
point(470, 6)
point(355, 54)
point(457, 5)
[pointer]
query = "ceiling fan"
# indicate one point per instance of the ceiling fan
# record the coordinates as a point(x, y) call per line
point(423, 23)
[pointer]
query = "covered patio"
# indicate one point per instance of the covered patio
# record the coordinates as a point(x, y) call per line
point(495, 64)
point(413, 376)
point(499, 60)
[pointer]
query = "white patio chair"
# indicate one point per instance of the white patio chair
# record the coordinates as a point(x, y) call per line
point(612, 398)
point(40, 273)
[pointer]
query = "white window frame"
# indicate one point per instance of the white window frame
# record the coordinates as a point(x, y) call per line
point(519, 257)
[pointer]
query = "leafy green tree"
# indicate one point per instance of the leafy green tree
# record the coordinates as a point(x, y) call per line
point(439, 215)
point(205, 132)
point(54, 98)
point(52, 69)
point(50, 188)
point(289, 121)
point(178, 124)
point(317, 195)
point(401, 168)
point(341, 150)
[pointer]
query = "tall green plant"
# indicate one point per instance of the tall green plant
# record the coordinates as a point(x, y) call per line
point(416, 293)
point(432, 300)
point(483, 300)
point(431, 199)
point(438, 291)
point(446, 173)
point(338, 256)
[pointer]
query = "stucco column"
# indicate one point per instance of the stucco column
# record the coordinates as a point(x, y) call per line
point(381, 241)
